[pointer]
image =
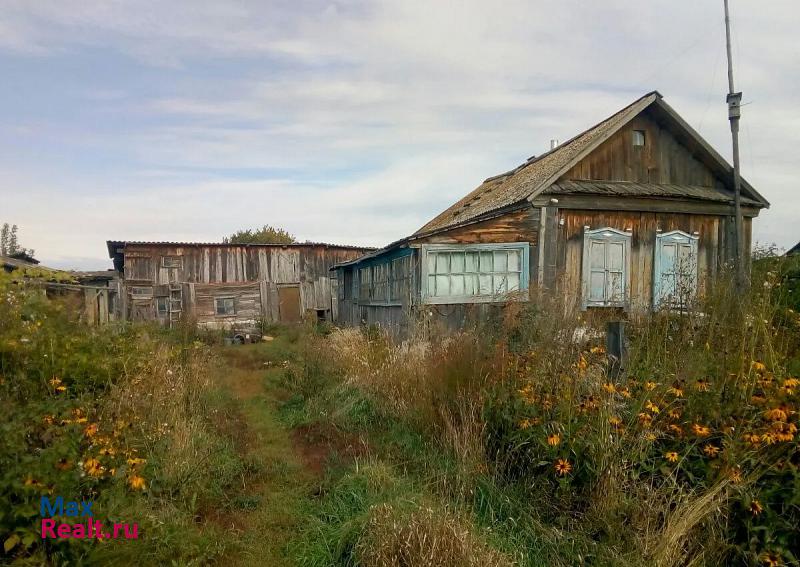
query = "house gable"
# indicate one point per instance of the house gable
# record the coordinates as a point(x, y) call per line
point(662, 158)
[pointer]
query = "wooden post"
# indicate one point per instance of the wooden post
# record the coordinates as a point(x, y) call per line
point(734, 100)
point(615, 346)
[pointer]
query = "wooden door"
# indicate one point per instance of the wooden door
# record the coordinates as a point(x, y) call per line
point(289, 304)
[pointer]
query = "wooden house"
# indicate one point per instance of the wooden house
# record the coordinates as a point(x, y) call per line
point(227, 285)
point(631, 213)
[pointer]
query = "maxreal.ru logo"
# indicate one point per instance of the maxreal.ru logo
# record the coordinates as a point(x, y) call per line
point(86, 527)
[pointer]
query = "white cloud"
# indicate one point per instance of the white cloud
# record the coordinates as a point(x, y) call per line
point(356, 122)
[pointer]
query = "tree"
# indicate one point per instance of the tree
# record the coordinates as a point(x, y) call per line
point(264, 235)
point(9, 242)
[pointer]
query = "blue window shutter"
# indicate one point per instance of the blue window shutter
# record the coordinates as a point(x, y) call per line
point(674, 268)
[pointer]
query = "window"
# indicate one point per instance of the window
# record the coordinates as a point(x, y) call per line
point(224, 306)
point(141, 292)
point(171, 261)
point(638, 138)
point(162, 306)
point(474, 273)
point(675, 269)
point(606, 270)
point(138, 268)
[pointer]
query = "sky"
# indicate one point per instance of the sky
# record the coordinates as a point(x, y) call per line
point(352, 122)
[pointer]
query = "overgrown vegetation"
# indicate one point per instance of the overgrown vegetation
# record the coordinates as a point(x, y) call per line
point(517, 441)
point(121, 418)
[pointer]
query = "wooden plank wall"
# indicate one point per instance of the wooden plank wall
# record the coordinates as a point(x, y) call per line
point(663, 158)
point(207, 267)
point(515, 226)
point(714, 246)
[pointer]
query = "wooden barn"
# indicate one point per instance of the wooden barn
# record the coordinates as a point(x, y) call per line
point(634, 213)
point(227, 285)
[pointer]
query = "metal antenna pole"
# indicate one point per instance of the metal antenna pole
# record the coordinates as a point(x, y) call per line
point(734, 113)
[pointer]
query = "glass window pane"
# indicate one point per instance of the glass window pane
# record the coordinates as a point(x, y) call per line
point(617, 286)
point(501, 261)
point(597, 255)
point(457, 285)
point(513, 282)
point(432, 262)
point(456, 263)
point(500, 284)
point(471, 284)
point(514, 265)
point(616, 254)
point(443, 263)
point(485, 284)
point(431, 285)
point(442, 286)
point(471, 262)
point(597, 286)
point(486, 262)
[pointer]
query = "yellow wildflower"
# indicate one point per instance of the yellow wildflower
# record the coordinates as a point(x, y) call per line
point(92, 467)
point(136, 482)
point(609, 388)
point(676, 391)
point(136, 461)
point(776, 414)
point(652, 407)
point(650, 386)
point(711, 450)
point(701, 430)
point(554, 439)
point(756, 508)
point(702, 385)
point(563, 467)
point(671, 456)
point(90, 430)
point(758, 367)
point(614, 421)
point(771, 559)
point(752, 438)
point(674, 413)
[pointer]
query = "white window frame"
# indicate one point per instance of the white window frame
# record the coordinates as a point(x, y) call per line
point(225, 298)
point(515, 295)
point(661, 238)
point(606, 235)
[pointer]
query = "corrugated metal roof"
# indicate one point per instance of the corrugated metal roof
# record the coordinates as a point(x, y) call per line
point(633, 189)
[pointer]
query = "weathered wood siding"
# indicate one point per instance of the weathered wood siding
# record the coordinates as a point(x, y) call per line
point(520, 225)
point(251, 274)
point(715, 241)
point(662, 159)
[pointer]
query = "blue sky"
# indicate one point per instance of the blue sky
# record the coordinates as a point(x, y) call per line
point(351, 122)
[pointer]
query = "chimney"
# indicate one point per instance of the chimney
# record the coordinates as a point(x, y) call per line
point(553, 144)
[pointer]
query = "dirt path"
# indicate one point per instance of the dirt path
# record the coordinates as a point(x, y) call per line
point(269, 510)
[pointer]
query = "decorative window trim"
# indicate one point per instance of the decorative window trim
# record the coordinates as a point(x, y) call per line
point(606, 234)
point(524, 277)
point(225, 314)
point(677, 235)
